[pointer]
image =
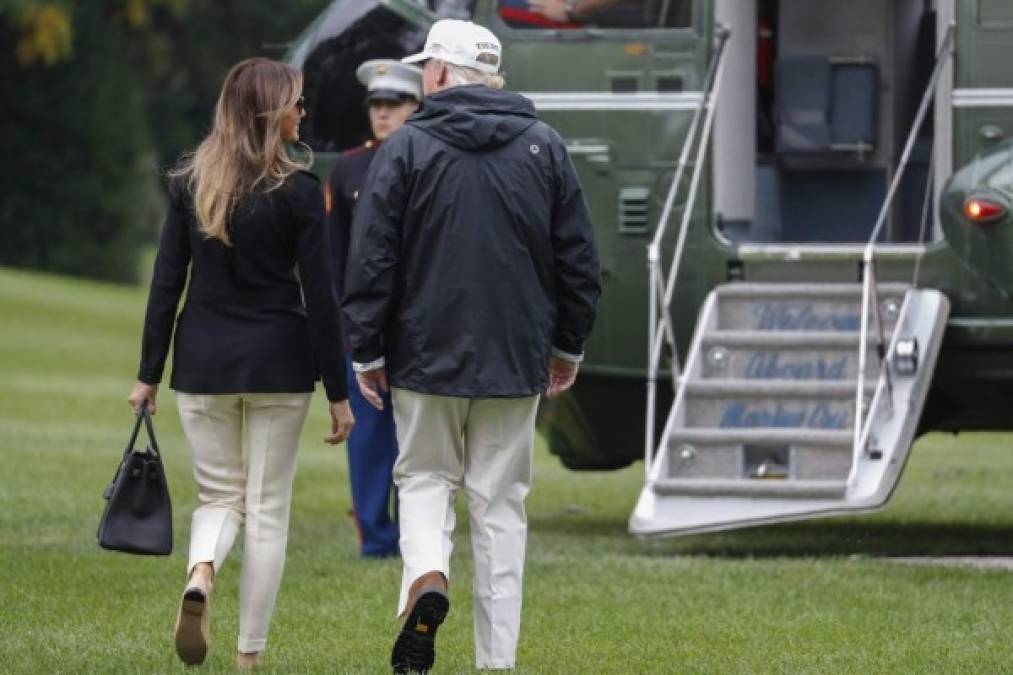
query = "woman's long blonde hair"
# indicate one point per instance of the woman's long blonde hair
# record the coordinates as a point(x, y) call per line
point(244, 151)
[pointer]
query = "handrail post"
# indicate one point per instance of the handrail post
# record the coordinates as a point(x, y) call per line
point(912, 136)
point(660, 324)
point(653, 260)
point(687, 213)
point(680, 168)
point(870, 289)
point(868, 281)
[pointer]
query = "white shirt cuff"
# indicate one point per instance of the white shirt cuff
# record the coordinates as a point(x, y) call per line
point(567, 356)
point(372, 365)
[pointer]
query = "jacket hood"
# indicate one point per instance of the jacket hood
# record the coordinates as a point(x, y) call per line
point(474, 117)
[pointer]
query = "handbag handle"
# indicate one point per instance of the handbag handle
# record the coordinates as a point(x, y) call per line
point(146, 417)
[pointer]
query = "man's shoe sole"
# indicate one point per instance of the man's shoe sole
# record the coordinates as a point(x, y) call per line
point(191, 642)
point(415, 648)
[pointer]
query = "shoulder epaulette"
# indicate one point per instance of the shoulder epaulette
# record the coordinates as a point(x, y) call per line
point(366, 147)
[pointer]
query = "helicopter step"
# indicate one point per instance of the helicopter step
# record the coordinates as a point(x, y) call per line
point(800, 307)
point(734, 459)
point(814, 489)
point(762, 429)
point(733, 404)
point(802, 355)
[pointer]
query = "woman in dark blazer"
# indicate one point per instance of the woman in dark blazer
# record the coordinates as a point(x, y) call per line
point(243, 216)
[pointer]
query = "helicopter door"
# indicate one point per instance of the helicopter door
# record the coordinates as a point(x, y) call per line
point(830, 89)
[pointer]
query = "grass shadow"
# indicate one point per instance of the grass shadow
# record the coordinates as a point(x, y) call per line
point(847, 537)
point(812, 539)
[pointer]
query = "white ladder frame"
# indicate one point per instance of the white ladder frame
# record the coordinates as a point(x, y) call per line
point(661, 286)
point(870, 289)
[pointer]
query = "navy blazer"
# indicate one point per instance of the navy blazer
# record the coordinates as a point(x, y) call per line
point(244, 327)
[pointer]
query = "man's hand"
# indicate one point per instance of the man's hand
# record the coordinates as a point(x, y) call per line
point(554, 10)
point(371, 383)
point(143, 392)
point(562, 374)
point(342, 422)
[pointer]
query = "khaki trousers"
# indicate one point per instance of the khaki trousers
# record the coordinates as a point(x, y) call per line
point(256, 489)
point(484, 446)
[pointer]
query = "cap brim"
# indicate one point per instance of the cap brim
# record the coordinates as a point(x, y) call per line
point(417, 58)
point(389, 95)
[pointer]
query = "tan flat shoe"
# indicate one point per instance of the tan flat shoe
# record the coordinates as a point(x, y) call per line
point(193, 631)
point(247, 661)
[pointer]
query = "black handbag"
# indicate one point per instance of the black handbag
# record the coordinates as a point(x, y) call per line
point(138, 512)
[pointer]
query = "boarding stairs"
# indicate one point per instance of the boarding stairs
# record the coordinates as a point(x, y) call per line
point(763, 425)
point(796, 400)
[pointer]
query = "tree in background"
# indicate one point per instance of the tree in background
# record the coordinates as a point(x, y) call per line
point(185, 61)
point(73, 138)
point(97, 98)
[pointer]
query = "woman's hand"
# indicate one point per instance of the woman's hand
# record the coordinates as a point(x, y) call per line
point(342, 422)
point(143, 392)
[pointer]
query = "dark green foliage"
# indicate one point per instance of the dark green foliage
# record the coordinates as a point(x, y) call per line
point(73, 140)
point(185, 59)
point(85, 142)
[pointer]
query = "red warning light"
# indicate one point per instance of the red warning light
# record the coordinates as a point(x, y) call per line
point(981, 210)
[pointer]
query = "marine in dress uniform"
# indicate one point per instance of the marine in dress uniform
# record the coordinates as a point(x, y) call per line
point(393, 92)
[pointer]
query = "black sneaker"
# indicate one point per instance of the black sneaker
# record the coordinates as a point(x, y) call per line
point(415, 648)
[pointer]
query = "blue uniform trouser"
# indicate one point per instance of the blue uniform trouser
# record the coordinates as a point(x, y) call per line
point(372, 450)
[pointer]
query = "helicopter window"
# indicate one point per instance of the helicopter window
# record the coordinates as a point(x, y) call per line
point(451, 9)
point(670, 84)
point(616, 14)
point(624, 85)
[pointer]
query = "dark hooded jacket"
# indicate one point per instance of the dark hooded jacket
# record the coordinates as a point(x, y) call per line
point(472, 254)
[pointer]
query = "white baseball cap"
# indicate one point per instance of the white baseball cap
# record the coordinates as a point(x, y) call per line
point(462, 43)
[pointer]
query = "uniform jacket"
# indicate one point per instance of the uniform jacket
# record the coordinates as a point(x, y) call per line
point(244, 327)
point(348, 175)
point(472, 253)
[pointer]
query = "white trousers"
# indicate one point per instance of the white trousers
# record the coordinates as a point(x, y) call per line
point(256, 489)
point(485, 446)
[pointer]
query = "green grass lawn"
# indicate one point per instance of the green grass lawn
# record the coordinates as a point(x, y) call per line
point(799, 598)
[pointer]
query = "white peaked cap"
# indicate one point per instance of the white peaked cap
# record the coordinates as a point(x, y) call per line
point(383, 77)
point(462, 43)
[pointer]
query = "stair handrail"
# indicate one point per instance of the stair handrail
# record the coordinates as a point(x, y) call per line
point(661, 288)
point(870, 289)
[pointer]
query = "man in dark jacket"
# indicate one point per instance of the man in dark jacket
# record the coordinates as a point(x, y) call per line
point(472, 283)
